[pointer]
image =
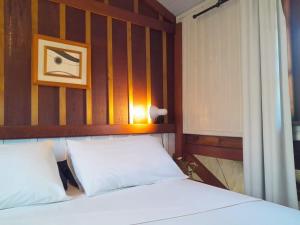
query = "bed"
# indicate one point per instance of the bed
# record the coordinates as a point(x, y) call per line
point(120, 181)
point(183, 202)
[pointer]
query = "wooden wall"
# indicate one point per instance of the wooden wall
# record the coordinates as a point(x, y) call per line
point(132, 64)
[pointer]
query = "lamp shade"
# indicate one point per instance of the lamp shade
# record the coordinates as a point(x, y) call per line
point(156, 112)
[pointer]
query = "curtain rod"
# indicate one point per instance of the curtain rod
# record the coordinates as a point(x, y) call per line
point(217, 5)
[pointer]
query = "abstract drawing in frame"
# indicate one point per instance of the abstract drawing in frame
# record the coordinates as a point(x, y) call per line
point(61, 63)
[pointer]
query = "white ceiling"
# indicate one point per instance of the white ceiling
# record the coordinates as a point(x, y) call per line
point(179, 6)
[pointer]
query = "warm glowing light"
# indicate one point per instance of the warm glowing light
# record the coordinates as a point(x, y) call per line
point(131, 113)
point(139, 114)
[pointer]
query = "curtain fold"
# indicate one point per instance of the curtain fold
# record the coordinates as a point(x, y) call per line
point(268, 144)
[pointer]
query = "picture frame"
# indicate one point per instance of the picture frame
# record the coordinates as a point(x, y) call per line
point(60, 63)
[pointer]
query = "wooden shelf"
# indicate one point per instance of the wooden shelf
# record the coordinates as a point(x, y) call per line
point(15, 132)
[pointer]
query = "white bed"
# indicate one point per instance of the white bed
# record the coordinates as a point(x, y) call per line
point(177, 202)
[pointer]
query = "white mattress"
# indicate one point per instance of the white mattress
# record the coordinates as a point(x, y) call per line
point(181, 202)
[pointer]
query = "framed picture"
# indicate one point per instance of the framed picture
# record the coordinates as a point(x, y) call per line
point(62, 63)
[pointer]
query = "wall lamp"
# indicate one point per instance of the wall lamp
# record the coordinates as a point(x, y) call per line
point(155, 112)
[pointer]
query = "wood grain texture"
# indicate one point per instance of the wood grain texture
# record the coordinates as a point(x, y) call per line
point(156, 6)
point(110, 72)
point(122, 4)
point(17, 70)
point(165, 73)
point(205, 175)
point(75, 98)
point(129, 70)
point(62, 106)
point(62, 21)
point(216, 141)
point(146, 10)
point(34, 87)
point(139, 67)
point(48, 24)
point(15, 132)
point(171, 81)
point(215, 152)
point(89, 96)
point(156, 70)
point(1, 63)
point(178, 92)
point(99, 69)
point(136, 6)
point(148, 71)
point(297, 154)
point(62, 90)
point(120, 79)
point(57, 106)
point(214, 146)
point(120, 14)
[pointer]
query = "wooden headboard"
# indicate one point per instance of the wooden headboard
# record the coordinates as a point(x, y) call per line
point(132, 44)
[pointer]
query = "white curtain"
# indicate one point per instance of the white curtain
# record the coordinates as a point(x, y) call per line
point(268, 145)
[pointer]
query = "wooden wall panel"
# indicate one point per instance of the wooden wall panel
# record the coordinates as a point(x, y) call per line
point(146, 10)
point(139, 67)
point(119, 41)
point(99, 69)
point(123, 4)
point(171, 81)
point(214, 146)
point(48, 24)
point(156, 69)
point(34, 88)
point(76, 99)
point(17, 59)
point(48, 107)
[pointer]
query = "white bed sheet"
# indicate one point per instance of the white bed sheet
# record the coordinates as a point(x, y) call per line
point(177, 202)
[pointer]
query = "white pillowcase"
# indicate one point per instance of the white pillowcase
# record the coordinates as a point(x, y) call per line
point(102, 166)
point(29, 175)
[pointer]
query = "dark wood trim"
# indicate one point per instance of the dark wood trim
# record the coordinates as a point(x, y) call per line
point(161, 10)
point(216, 141)
point(205, 175)
point(178, 91)
point(117, 13)
point(15, 132)
point(216, 152)
point(297, 154)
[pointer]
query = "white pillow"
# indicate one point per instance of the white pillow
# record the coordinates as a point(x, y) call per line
point(29, 175)
point(102, 166)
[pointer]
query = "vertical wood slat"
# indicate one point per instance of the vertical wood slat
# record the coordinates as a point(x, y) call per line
point(17, 61)
point(62, 90)
point(165, 74)
point(48, 24)
point(130, 79)
point(120, 72)
point(99, 69)
point(148, 71)
point(139, 69)
point(34, 88)
point(136, 6)
point(1, 63)
point(110, 72)
point(89, 102)
point(75, 98)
